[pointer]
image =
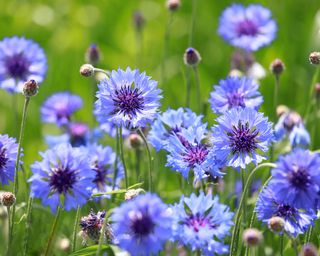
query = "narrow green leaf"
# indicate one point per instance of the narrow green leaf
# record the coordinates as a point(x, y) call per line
point(92, 250)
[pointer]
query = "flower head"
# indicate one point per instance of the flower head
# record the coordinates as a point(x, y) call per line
point(235, 92)
point(127, 98)
point(202, 223)
point(296, 179)
point(188, 151)
point(59, 107)
point(8, 155)
point(242, 136)
point(296, 221)
point(248, 28)
point(62, 177)
point(20, 60)
point(142, 225)
point(171, 122)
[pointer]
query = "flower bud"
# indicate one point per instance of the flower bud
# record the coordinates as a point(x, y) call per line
point(7, 199)
point(317, 91)
point(30, 88)
point(252, 237)
point(235, 73)
point(132, 193)
point(242, 61)
point(138, 20)
point(314, 58)
point(87, 70)
point(308, 250)
point(282, 109)
point(276, 224)
point(135, 141)
point(173, 5)
point(191, 57)
point(277, 67)
point(64, 244)
point(93, 55)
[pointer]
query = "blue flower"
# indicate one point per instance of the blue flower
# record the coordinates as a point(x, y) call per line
point(299, 136)
point(62, 177)
point(200, 222)
point(128, 99)
point(242, 136)
point(235, 92)
point(142, 225)
point(8, 155)
point(102, 164)
point(20, 60)
point(171, 122)
point(296, 221)
point(59, 107)
point(111, 129)
point(188, 151)
point(248, 28)
point(296, 179)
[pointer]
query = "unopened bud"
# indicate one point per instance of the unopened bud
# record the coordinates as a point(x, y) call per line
point(30, 88)
point(64, 244)
point(317, 90)
point(314, 58)
point(93, 55)
point(242, 61)
point(235, 73)
point(132, 193)
point(7, 199)
point(138, 20)
point(282, 109)
point(191, 57)
point(276, 224)
point(308, 250)
point(173, 5)
point(252, 237)
point(135, 141)
point(277, 67)
point(87, 70)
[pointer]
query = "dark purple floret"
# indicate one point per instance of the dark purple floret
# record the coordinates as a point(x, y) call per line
point(17, 66)
point(3, 158)
point(242, 139)
point(199, 221)
point(142, 225)
point(196, 154)
point(62, 180)
point(128, 100)
point(236, 100)
point(248, 28)
point(299, 177)
point(285, 210)
point(101, 172)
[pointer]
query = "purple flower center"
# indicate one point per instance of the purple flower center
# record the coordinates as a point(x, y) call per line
point(3, 158)
point(128, 100)
point(62, 180)
point(247, 28)
point(195, 155)
point(235, 100)
point(299, 177)
point(285, 210)
point(242, 138)
point(17, 66)
point(101, 173)
point(142, 224)
point(78, 134)
point(199, 221)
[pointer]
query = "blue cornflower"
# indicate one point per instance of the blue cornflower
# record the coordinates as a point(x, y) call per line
point(171, 122)
point(200, 222)
point(296, 221)
point(62, 177)
point(242, 136)
point(102, 164)
point(235, 92)
point(296, 179)
point(127, 98)
point(188, 151)
point(59, 107)
point(142, 225)
point(8, 155)
point(248, 28)
point(20, 60)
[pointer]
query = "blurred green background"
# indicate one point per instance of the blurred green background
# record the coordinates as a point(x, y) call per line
point(65, 29)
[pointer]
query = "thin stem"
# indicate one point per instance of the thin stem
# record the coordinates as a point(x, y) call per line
point(193, 18)
point(106, 72)
point(53, 231)
point(15, 183)
point(188, 84)
point(281, 244)
point(165, 46)
point(101, 238)
point(149, 157)
point(196, 76)
point(311, 91)
point(243, 179)
point(308, 236)
point(75, 229)
point(138, 160)
point(138, 46)
point(275, 96)
point(115, 164)
point(122, 156)
point(28, 226)
point(9, 230)
point(235, 237)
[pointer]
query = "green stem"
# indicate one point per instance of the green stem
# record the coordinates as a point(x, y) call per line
point(196, 76)
point(138, 160)
point(165, 46)
point(75, 229)
point(115, 164)
point(235, 237)
point(53, 231)
point(9, 230)
point(281, 244)
point(275, 96)
point(149, 157)
point(243, 179)
point(188, 83)
point(309, 233)
point(120, 138)
point(15, 183)
point(101, 238)
point(28, 226)
point(107, 73)
point(193, 18)
point(311, 92)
